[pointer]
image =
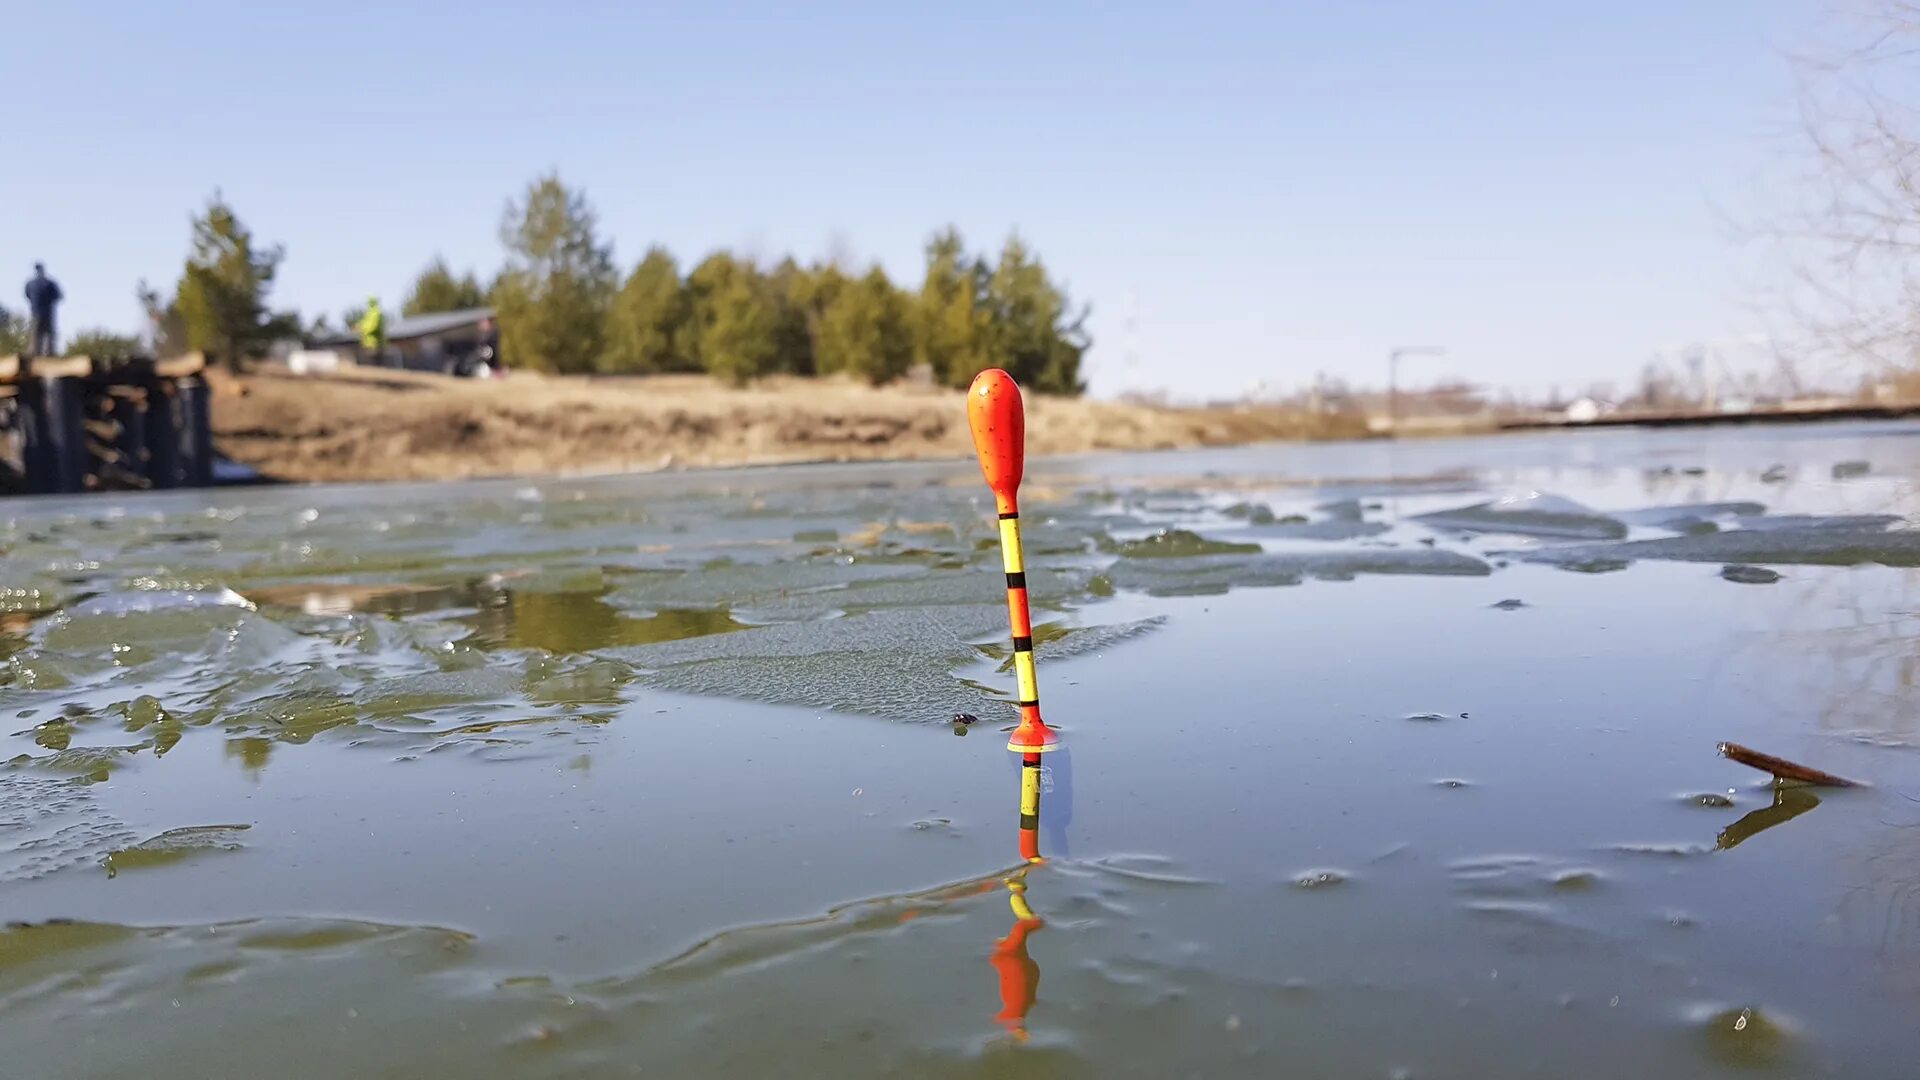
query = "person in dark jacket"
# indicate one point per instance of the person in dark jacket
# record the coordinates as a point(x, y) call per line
point(43, 295)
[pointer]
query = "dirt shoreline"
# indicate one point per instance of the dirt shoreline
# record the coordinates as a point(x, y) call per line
point(394, 425)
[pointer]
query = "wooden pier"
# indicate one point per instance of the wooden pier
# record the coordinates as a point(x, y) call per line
point(78, 424)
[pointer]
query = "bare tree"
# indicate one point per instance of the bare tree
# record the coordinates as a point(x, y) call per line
point(1658, 389)
point(1853, 231)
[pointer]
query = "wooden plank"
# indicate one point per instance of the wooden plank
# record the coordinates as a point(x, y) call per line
point(65, 367)
point(179, 367)
point(9, 368)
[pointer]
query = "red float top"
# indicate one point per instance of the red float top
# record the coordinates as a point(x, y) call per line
point(999, 423)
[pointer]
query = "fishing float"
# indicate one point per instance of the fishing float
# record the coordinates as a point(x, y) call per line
point(998, 419)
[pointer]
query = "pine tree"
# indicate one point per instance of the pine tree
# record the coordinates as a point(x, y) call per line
point(437, 289)
point(950, 317)
point(705, 282)
point(741, 340)
point(809, 292)
point(867, 330)
point(554, 295)
point(797, 294)
point(221, 300)
point(648, 330)
point(1033, 332)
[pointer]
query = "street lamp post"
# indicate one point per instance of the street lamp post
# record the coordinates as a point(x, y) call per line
point(1393, 378)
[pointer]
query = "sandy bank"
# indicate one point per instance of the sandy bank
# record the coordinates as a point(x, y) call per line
point(387, 425)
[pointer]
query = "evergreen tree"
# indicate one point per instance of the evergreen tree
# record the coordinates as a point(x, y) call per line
point(867, 330)
point(791, 287)
point(741, 339)
point(806, 294)
point(705, 282)
point(1033, 332)
point(951, 317)
point(649, 328)
point(559, 282)
point(437, 289)
point(221, 300)
point(743, 323)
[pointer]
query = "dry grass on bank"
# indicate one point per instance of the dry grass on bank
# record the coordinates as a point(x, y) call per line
point(392, 425)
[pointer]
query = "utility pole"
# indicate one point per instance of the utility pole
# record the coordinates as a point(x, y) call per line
point(1393, 378)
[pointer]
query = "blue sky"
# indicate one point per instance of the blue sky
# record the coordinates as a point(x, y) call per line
point(1244, 192)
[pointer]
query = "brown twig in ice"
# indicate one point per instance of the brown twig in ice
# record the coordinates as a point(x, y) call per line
point(1781, 768)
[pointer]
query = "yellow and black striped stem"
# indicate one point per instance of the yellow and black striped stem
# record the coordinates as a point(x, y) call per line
point(1032, 736)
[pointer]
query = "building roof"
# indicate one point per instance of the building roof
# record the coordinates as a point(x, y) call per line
point(415, 326)
point(437, 323)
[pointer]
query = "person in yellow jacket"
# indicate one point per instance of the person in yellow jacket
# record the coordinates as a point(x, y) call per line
point(373, 332)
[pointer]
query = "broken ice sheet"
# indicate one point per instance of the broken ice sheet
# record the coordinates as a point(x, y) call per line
point(1045, 588)
point(1208, 576)
point(1176, 544)
point(897, 663)
point(175, 845)
point(1809, 547)
point(1529, 514)
point(734, 584)
point(1683, 516)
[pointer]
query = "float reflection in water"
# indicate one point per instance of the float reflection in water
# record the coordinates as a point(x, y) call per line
point(1019, 973)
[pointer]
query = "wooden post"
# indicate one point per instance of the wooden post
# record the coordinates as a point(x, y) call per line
point(130, 435)
point(162, 435)
point(56, 444)
point(195, 432)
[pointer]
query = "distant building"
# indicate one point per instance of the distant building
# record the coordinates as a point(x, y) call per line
point(1586, 410)
point(437, 342)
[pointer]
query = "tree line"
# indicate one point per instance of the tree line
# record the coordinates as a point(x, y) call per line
point(563, 304)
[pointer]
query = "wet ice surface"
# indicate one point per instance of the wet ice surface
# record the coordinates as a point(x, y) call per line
point(658, 775)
